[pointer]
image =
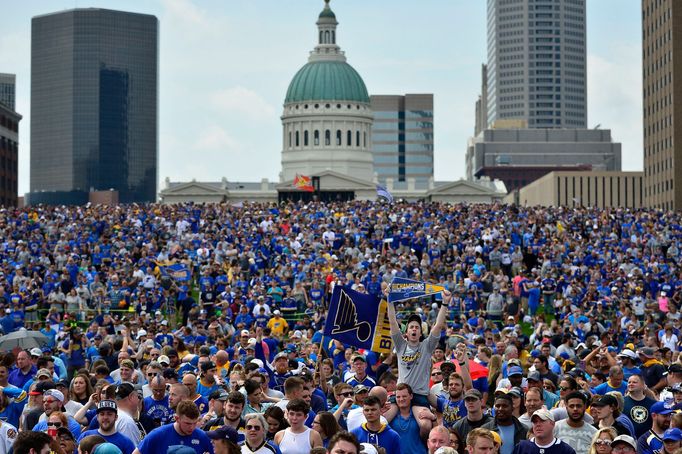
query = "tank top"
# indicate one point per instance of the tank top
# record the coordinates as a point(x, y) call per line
point(295, 443)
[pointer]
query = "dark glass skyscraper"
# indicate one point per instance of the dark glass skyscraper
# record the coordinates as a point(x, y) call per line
point(94, 105)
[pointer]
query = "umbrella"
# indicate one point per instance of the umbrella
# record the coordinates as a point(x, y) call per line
point(23, 339)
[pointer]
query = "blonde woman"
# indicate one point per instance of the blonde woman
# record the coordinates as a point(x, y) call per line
point(601, 442)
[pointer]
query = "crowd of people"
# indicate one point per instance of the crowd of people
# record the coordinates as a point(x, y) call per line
point(186, 329)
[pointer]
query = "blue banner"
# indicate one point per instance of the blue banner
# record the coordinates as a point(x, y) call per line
point(359, 319)
point(402, 289)
point(179, 272)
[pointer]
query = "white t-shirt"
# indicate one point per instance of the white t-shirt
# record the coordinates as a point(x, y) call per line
point(355, 418)
point(125, 424)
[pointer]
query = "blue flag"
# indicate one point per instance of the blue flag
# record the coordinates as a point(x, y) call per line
point(359, 319)
point(179, 272)
point(383, 192)
point(402, 289)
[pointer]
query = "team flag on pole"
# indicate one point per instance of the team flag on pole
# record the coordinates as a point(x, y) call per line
point(303, 183)
point(359, 319)
point(383, 192)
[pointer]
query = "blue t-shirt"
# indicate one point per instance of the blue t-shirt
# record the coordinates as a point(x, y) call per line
point(121, 441)
point(157, 411)
point(74, 427)
point(408, 430)
point(452, 411)
point(158, 441)
point(507, 435)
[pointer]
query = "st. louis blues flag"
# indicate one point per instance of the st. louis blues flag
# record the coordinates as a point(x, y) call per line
point(359, 319)
point(179, 272)
point(402, 289)
point(383, 192)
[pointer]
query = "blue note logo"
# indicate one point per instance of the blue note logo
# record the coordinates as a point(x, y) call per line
point(346, 319)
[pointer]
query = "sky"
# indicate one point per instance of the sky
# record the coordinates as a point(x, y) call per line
point(225, 66)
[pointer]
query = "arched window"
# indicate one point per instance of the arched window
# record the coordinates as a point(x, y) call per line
point(333, 37)
point(289, 139)
point(320, 36)
point(357, 138)
point(349, 138)
point(364, 139)
point(327, 137)
point(338, 137)
point(326, 37)
point(305, 138)
point(297, 139)
point(316, 138)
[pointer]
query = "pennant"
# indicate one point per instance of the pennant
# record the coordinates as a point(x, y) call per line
point(359, 319)
point(303, 183)
point(560, 227)
point(179, 272)
point(383, 193)
point(402, 289)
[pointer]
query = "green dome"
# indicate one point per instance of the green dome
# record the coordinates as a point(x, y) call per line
point(327, 81)
point(327, 12)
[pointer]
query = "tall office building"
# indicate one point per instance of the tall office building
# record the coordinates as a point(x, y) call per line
point(8, 89)
point(402, 137)
point(94, 103)
point(537, 63)
point(9, 154)
point(662, 61)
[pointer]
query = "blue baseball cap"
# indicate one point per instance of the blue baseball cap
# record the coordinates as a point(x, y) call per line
point(661, 408)
point(673, 434)
point(515, 370)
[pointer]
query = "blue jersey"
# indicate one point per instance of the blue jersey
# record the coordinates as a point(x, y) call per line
point(158, 441)
point(649, 443)
point(385, 437)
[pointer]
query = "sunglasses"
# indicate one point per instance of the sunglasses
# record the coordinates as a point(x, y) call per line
point(603, 442)
point(433, 374)
point(563, 388)
point(250, 427)
point(152, 375)
point(54, 424)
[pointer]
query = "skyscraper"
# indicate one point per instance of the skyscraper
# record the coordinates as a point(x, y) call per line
point(94, 102)
point(402, 137)
point(8, 90)
point(662, 70)
point(537, 63)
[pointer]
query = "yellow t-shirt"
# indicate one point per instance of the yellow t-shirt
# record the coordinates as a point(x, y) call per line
point(277, 326)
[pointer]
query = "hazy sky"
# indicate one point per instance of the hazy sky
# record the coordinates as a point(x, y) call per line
point(225, 66)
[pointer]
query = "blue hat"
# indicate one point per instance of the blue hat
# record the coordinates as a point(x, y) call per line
point(515, 370)
point(107, 448)
point(223, 433)
point(673, 434)
point(661, 408)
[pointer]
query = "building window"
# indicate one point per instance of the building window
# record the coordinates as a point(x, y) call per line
point(338, 137)
point(316, 138)
point(357, 138)
point(349, 138)
point(305, 138)
point(326, 37)
point(364, 139)
point(333, 37)
point(297, 139)
point(289, 139)
point(327, 137)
